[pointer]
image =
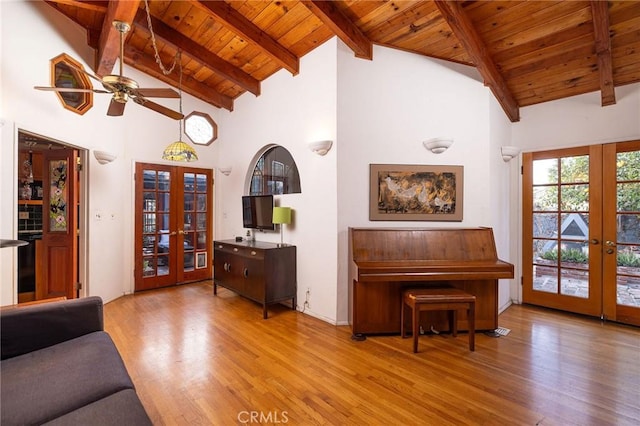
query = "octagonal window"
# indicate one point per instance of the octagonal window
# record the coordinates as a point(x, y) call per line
point(64, 73)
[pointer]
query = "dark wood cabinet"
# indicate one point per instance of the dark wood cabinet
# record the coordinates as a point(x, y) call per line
point(260, 271)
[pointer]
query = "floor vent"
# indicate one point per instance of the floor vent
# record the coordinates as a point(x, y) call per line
point(502, 331)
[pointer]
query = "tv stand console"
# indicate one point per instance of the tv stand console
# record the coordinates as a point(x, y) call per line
point(260, 271)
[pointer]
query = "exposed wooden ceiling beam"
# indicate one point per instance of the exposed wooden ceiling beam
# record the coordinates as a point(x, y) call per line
point(232, 19)
point(199, 53)
point(109, 47)
point(341, 26)
point(600, 14)
point(144, 63)
point(96, 6)
point(468, 36)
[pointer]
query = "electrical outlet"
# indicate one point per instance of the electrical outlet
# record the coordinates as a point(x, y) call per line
point(307, 297)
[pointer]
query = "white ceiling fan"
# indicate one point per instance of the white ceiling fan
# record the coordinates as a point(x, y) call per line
point(123, 88)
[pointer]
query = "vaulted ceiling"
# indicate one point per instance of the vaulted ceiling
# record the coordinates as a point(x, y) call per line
point(527, 52)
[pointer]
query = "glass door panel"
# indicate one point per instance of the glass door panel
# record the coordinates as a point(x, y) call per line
point(558, 201)
point(173, 222)
point(155, 248)
point(197, 216)
point(581, 230)
point(622, 232)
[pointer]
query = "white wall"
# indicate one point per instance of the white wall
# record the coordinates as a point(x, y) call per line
point(504, 178)
point(579, 120)
point(32, 33)
point(386, 109)
point(290, 112)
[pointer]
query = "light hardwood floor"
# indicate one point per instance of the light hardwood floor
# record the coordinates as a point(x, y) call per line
point(196, 359)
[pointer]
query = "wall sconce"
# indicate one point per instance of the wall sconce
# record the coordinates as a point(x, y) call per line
point(104, 157)
point(281, 216)
point(438, 145)
point(225, 170)
point(508, 152)
point(320, 147)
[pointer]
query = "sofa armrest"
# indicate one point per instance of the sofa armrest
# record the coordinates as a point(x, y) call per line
point(29, 328)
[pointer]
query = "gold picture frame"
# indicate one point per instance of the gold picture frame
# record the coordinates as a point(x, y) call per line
point(64, 73)
point(415, 192)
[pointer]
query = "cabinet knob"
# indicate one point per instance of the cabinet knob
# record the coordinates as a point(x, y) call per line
point(220, 246)
point(253, 253)
point(235, 249)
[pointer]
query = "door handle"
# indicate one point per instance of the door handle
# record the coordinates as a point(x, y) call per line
point(245, 273)
point(610, 251)
point(610, 243)
point(595, 242)
point(181, 232)
point(173, 233)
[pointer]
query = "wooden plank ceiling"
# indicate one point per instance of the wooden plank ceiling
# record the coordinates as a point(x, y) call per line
point(527, 52)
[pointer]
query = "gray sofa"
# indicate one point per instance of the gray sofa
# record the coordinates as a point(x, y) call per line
point(59, 367)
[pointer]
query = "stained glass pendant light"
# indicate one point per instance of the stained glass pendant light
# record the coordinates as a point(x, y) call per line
point(179, 150)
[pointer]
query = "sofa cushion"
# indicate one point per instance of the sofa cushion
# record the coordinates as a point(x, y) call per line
point(120, 409)
point(26, 329)
point(42, 385)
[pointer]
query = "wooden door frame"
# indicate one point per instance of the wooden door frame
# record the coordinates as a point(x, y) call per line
point(593, 304)
point(83, 215)
point(176, 259)
point(610, 310)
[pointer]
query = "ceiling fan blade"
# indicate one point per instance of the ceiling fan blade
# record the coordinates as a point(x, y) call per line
point(70, 65)
point(158, 108)
point(115, 108)
point(69, 89)
point(156, 93)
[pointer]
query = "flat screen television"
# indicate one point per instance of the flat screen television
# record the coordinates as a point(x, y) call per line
point(257, 211)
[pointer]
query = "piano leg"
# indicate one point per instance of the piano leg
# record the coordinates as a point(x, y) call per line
point(358, 337)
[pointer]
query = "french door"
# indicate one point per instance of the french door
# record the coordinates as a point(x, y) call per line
point(581, 230)
point(173, 240)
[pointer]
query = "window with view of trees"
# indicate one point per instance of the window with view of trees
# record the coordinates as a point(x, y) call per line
point(574, 197)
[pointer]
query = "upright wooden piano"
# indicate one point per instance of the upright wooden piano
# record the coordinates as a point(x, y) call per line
point(385, 261)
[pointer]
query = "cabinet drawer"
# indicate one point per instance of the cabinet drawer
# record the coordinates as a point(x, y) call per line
point(250, 252)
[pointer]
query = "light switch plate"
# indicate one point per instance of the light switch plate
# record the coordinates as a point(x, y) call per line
point(23, 215)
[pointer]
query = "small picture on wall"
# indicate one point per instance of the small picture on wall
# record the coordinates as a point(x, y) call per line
point(415, 192)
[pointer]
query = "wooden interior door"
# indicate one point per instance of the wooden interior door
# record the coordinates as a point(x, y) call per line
point(581, 230)
point(621, 232)
point(59, 225)
point(173, 225)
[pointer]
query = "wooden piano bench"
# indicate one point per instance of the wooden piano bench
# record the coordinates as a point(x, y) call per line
point(438, 299)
